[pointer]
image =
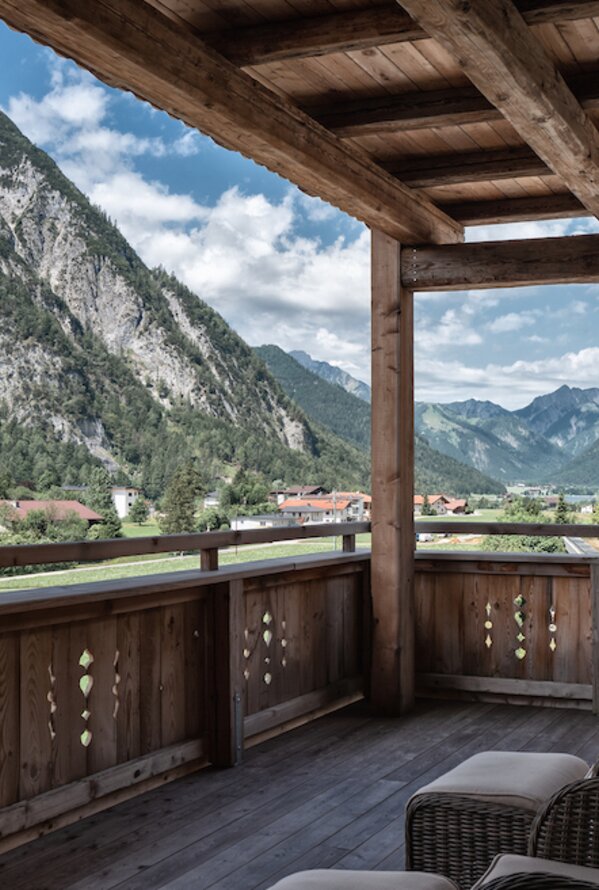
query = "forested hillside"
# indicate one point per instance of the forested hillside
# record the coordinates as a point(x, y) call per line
point(112, 362)
point(349, 417)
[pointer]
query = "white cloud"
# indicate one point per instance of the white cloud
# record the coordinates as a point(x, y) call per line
point(511, 385)
point(513, 321)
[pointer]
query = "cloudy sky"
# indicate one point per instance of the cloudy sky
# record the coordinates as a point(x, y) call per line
point(280, 267)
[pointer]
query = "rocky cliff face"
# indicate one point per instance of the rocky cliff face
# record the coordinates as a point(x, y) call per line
point(106, 324)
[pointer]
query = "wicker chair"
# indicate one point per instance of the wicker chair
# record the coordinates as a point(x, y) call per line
point(456, 828)
point(567, 827)
point(538, 881)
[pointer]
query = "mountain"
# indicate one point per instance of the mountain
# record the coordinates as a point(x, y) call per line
point(349, 417)
point(488, 437)
point(106, 360)
point(568, 417)
point(333, 375)
point(327, 403)
point(583, 471)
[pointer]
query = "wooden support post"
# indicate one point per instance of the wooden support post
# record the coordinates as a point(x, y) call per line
point(209, 559)
point(348, 543)
point(595, 634)
point(392, 568)
point(228, 646)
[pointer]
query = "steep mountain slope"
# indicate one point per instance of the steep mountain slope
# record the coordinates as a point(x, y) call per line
point(333, 375)
point(327, 403)
point(488, 437)
point(100, 351)
point(349, 417)
point(583, 471)
point(568, 417)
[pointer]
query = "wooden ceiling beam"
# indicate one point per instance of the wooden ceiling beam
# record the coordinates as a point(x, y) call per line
point(499, 54)
point(491, 264)
point(423, 110)
point(360, 29)
point(428, 171)
point(509, 210)
point(131, 45)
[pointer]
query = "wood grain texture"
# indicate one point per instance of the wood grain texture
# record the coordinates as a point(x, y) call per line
point(133, 46)
point(9, 718)
point(392, 562)
point(479, 213)
point(359, 29)
point(511, 68)
point(94, 551)
point(407, 111)
point(493, 264)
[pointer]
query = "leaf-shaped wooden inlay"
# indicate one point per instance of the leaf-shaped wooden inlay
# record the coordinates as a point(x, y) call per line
point(553, 644)
point(86, 738)
point(519, 618)
point(268, 679)
point(267, 636)
point(520, 653)
point(267, 618)
point(86, 659)
point(488, 642)
point(85, 684)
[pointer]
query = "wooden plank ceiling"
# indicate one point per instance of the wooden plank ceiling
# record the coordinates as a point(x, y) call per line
point(414, 115)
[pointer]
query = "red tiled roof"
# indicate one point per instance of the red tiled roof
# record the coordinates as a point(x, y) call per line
point(320, 503)
point(453, 505)
point(432, 499)
point(59, 509)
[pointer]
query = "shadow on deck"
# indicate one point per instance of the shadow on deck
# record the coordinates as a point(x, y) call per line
point(331, 793)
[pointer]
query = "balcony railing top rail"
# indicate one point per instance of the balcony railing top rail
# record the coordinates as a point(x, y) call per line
point(204, 542)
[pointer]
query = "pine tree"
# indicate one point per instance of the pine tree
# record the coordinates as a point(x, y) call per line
point(562, 514)
point(427, 510)
point(139, 511)
point(179, 505)
point(99, 498)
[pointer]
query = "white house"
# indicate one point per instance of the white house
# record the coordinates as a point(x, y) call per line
point(265, 520)
point(318, 509)
point(123, 499)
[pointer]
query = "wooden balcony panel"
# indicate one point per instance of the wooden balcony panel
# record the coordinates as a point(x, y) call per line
point(329, 794)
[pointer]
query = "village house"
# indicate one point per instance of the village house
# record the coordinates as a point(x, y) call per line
point(441, 505)
point(123, 498)
point(339, 506)
point(59, 510)
point(263, 520)
point(297, 491)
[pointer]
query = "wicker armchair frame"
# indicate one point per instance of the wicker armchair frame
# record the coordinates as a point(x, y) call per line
point(537, 881)
point(566, 828)
point(473, 832)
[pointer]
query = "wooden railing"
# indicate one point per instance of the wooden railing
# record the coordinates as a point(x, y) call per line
point(109, 688)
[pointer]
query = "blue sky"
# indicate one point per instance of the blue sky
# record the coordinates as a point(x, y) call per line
point(279, 266)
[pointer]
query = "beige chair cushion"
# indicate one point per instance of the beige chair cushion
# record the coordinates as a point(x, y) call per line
point(507, 864)
point(332, 879)
point(514, 778)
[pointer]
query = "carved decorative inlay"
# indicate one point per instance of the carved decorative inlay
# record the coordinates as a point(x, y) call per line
point(86, 683)
point(488, 626)
point(284, 643)
point(520, 618)
point(115, 685)
point(52, 702)
point(268, 678)
point(246, 651)
point(552, 629)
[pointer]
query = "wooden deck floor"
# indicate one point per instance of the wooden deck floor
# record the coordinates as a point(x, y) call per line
point(331, 793)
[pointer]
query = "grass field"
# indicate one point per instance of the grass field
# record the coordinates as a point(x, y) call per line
point(139, 566)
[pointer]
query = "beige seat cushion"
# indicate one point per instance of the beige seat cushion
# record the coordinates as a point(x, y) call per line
point(514, 778)
point(332, 879)
point(507, 864)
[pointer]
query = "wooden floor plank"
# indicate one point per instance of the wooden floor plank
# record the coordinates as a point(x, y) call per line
point(329, 794)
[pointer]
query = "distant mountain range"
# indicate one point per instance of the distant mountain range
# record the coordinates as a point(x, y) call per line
point(348, 417)
point(333, 375)
point(553, 439)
